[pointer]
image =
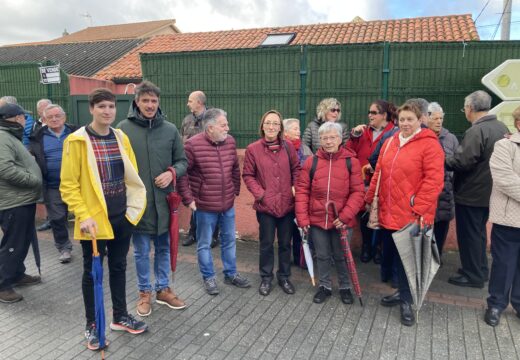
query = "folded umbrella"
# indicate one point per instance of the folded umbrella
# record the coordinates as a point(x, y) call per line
point(97, 275)
point(36, 251)
point(420, 257)
point(174, 200)
point(307, 254)
point(347, 253)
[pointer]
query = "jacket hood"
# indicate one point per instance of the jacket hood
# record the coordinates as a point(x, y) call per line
point(342, 153)
point(12, 128)
point(515, 137)
point(135, 116)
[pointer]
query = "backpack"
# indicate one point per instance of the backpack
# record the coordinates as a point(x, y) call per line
point(315, 163)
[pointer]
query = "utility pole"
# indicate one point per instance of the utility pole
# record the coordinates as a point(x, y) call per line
point(506, 20)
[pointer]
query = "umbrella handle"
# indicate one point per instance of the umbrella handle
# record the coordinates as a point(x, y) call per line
point(174, 177)
point(334, 208)
point(92, 232)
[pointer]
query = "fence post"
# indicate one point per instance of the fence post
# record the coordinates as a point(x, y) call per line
point(303, 83)
point(386, 70)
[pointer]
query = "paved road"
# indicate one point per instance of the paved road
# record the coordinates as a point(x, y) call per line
point(241, 324)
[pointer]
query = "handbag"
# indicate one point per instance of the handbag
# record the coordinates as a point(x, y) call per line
point(373, 216)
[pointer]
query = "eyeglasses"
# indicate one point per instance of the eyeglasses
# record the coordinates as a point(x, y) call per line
point(328, 138)
point(275, 124)
point(371, 112)
point(335, 110)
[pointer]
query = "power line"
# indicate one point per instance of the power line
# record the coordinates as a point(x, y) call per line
point(481, 11)
point(490, 25)
point(500, 21)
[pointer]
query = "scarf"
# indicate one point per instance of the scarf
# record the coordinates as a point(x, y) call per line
point(296, 143)
point(273, 146)
point(13, 127)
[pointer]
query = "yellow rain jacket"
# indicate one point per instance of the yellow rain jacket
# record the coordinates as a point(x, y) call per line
point(81, 189)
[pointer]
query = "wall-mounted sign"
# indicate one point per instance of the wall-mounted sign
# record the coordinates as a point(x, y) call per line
point(50, 74)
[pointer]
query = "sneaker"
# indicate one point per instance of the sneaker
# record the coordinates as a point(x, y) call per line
point(129, 324)
point(321, 295)
point(143, 304)
point(27, 280)
point(237, 280)
point(167, 297)
point(45, 226)
point(9, 296)
point(346, 296)
point(65, 257)
point(92, 338)
point(210, 284)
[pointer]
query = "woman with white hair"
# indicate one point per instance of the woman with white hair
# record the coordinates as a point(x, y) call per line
point(328, 110)
point(446, 203)
point(337, 178)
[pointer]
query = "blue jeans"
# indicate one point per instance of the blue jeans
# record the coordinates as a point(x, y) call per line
point(206, 223)
point(161, 266)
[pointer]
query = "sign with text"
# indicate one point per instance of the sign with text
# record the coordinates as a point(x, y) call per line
point(50, 74)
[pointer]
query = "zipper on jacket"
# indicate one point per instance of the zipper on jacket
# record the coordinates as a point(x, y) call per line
point(391, 171)
point(328, 193)
point(221, 174)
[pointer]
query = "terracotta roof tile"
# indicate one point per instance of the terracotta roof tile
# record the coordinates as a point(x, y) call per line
point(427, 29)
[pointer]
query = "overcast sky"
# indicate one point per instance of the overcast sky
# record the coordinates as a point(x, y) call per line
point(41, 20)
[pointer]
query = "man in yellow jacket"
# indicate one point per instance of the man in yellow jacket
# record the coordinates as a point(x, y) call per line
point(100, 185)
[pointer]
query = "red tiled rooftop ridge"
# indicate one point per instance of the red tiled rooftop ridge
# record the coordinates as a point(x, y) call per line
point(424, 29)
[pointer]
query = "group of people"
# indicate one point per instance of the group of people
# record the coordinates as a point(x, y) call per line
point(116, 180)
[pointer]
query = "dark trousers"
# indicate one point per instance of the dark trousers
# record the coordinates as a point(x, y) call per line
point(472, 241)
point(327, 244)
point(57, 215)
point(296, 246)
point(404, 288)
point(504, 281)
point(116, 251)
point(18, 232)
point(389, 258)
point(269, 225)
point(440, 230)
point(366, 233)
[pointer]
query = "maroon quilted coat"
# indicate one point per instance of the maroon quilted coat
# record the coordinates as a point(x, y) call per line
point(270, 175)
point(331, 181)
point(411, 180)
point(213, 178)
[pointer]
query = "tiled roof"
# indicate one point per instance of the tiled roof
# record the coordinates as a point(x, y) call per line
point(83, 59)
point(425, 29)
point(117, 32)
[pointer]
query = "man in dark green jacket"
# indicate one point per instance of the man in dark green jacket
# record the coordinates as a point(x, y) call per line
point(473, 184)
point(20, 186)
point(160, 156)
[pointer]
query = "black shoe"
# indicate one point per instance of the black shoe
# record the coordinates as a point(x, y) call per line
point(346, 296)
point(492, 316)
point(366, 255)
point(321, 295)
point(265, 287)
point(189, 240)
point(377, 257)
point(461, 272)
point(286, 286)
point(407, 316)
point(391, 300)
point(462, 280)
point(45, 226)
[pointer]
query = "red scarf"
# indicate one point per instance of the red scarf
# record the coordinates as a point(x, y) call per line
point(295, 142)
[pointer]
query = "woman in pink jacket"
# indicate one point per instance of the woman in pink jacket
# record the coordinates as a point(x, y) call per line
point(271, 167)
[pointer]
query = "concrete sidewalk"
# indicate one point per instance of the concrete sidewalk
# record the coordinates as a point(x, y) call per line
point(241, 324)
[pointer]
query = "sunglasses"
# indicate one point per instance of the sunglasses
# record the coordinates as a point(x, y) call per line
point(335, 110)
point(373, 112)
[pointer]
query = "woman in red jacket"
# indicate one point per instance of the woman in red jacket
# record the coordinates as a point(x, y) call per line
point(411, 165)
point(332, 181)
point(363, 140)
point(271, 167)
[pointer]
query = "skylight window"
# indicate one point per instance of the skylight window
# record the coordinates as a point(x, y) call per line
point(278, 39)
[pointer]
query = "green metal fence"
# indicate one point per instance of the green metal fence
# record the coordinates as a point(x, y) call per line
point(293, 79)
point(22, 80)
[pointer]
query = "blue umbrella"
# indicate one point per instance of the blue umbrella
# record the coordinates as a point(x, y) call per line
point(97, 275)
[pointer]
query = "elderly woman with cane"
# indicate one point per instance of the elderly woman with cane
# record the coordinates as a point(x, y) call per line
point(332, 175)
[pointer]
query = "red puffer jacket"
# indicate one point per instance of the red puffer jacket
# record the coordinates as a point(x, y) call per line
point(412, 177)
point(331, 181)
point(363, 145)
point(269, 176)
point(213, 178)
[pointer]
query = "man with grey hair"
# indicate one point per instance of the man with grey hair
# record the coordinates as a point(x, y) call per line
point(473, 183)
point(46, 144)
point(210, 189)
